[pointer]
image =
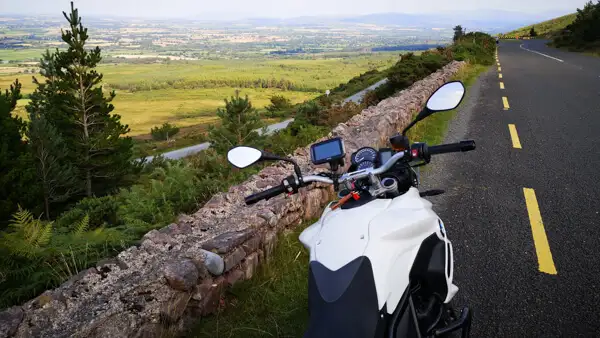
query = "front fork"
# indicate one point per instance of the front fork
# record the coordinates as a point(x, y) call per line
point(463, 323)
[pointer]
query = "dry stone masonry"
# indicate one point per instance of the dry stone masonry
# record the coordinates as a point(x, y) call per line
point(174, 277)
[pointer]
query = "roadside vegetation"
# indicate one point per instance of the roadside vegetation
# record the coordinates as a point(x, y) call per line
point(578, 32)
point(583, 35)
point(274, 303)
point(70, 192)
point(546, 29)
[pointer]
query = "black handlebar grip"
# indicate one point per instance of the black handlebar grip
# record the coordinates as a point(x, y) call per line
point(452, 147)
point(264, 195)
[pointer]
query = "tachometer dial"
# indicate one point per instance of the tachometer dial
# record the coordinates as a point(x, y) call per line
point(365, 165)
point(364, 154)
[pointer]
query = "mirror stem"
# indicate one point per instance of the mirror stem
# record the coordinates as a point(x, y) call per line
point(272, 157)
point(423, 114)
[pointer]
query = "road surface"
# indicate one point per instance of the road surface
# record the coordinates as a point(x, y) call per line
point(191, 150)
point(523, 209)
point(359, 96)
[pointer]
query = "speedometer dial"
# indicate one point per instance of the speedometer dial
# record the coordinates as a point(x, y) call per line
point(364, 154)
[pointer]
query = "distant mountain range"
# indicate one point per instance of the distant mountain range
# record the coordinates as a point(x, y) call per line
point(487, 20)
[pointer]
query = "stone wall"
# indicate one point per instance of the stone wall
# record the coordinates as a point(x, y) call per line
point(170, 280)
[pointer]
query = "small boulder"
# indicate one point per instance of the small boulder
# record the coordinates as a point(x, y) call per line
point(181, 275)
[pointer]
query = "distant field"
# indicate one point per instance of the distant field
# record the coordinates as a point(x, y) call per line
point(317, 74)
point(142, 106)
point(144, 110)
point(21, 54)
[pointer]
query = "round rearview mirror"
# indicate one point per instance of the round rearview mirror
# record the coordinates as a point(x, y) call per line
point(447, 97)
point(242, 157)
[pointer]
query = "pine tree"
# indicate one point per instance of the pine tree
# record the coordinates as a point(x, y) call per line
point(57, 177)
point(239, 122)
point(11, 149)
point(71, 100)
point(458, 33)
point(532, 32)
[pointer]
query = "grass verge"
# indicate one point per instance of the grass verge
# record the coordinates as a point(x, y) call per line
point(274, 303)
point(432, 130)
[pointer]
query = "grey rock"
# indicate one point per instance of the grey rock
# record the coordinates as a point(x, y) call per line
point(181, 274)
point(234, 276)
point(249, 265)
point(224, 243)
point(252, 244)
point(234, 258)
point(10, 320)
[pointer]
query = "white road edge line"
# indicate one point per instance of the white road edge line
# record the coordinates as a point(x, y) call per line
point(542, 54)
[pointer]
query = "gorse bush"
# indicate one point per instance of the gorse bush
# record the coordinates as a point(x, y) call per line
point(475, 48)
point(584, 33)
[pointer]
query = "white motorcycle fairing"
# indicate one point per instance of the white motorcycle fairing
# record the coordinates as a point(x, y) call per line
point(390, 233)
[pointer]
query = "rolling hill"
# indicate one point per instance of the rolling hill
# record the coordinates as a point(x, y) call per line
point(547, 29)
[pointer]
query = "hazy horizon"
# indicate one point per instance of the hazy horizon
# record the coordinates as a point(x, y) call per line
point(239, 9)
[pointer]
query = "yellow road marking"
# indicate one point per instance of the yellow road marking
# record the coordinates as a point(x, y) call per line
point(505, 102)
point(542, 248)
point(514, 136)
point(498, 63)
point(501, 85)
point(499, 68)
point(499, 76)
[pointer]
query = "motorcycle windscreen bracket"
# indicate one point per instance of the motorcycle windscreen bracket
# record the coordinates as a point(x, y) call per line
point(329, 151)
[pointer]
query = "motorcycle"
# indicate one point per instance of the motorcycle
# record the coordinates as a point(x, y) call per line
point(381, 263)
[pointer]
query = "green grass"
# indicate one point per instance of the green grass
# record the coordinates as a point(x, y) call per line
point(144, 109)
point(546, 29)
point(274, 303)
point(320, 74)
point(30, 54)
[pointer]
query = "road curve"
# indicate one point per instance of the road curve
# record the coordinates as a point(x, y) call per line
point(357, 98)
point(522, 210)
point(191, 150)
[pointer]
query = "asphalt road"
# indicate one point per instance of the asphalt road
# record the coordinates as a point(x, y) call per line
point(515, 285)
point(359, 96)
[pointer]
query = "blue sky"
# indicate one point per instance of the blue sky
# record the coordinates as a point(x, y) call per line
point(227, 9)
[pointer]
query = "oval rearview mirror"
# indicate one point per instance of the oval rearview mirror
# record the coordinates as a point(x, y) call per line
point(447, 97)
point(241, 157)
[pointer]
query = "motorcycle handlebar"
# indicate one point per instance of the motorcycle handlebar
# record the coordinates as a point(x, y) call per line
point(264, 195)
point(355, 175)
point(461, 146)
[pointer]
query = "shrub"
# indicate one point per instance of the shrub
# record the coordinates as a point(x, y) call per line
point(476, 48)
point(163, 132)
point(102, 212)
point(279, 103)
point(584, 32)
point(169, 190)
point(35, 256)
point(370, 98)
